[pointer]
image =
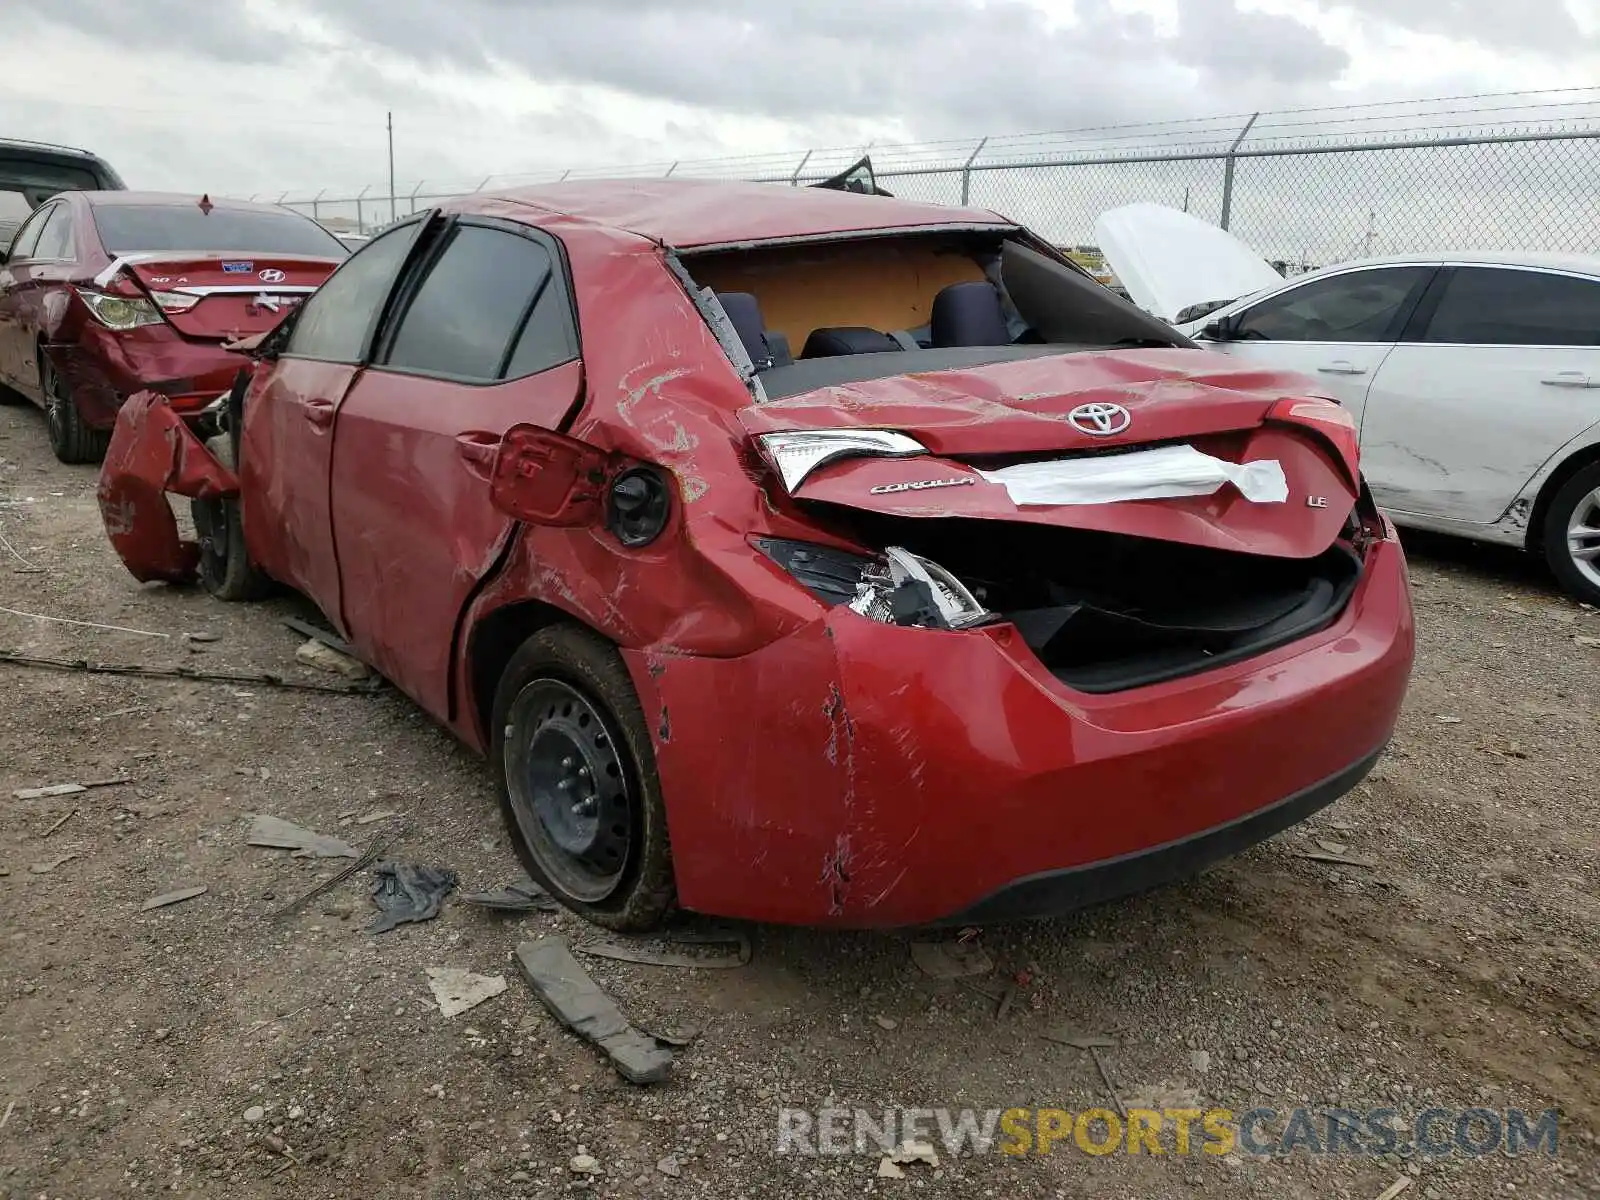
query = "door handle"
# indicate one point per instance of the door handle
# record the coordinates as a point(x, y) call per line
point(319, 413)
point(1569, 379)
point(1340, 367)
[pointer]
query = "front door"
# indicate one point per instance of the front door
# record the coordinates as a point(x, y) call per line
point(16, 273)
point(1502, 374)
point(286, 453)
point(485, 342)
point(1336, 329)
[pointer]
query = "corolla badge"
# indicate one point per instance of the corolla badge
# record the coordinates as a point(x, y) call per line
point(1099, 419)
point(271, 275)
point(917, 485)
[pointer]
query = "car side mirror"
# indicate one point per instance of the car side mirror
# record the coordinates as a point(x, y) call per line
point(1222, 330)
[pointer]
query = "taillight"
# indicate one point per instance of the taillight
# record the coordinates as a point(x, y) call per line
point(131, 311)
point(1329, 419)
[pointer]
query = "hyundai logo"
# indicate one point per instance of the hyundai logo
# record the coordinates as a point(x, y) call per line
point(1099, 419)
point(272, 275)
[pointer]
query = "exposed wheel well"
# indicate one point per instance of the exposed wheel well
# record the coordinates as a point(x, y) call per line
point(1533, 539)
point(494, 640)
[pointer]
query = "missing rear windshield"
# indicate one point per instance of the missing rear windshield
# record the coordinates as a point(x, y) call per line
point(846, 310)
point(158, 228)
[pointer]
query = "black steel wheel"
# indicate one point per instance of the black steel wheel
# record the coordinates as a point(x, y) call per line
point(578, 782)
point(226, 569)
point(70, 438)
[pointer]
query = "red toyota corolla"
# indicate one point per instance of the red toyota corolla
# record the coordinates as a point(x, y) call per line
point(803, 556)
point(103, 294)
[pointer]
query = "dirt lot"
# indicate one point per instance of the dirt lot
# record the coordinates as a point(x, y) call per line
point(1461, 970)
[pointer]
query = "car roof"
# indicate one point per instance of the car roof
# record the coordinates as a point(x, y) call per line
point(22, 144)
point(177, 200)
point(689, 214)
point(1588, 264)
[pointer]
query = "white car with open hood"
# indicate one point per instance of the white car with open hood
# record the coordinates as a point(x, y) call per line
point(1474, 378)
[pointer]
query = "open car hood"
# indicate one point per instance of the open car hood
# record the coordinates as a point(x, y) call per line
point(966, 427)
point(1169, 260)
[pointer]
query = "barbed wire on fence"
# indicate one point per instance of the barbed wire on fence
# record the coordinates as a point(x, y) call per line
point(1503, 171)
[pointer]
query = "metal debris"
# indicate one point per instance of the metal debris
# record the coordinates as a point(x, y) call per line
point(317, 634)
point(678, 1038)
point(1331, 847)
point(1395, 1188)
point(520, 895)
point(13, 612)
point(951, 960)
point(906, 1153)
point(1093, 1043)
point(44, 868)
point(1343, 860)
point(58, 823)
point(574, 999)
point(203, 637)
point(456, 990)
point(177, 897)
point(263, 678)
point(68, 789)
point(649, 957)
point(278, 834)
point(372, 818)
point(406, 892)
point(317, 653)
point(379, 846)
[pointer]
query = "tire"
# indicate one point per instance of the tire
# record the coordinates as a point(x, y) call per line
point(70, 438)
point(1575, 508)
point(566, 715)
point(226, 570)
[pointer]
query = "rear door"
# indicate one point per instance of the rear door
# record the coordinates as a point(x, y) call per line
point(1501, 370)
point(48, 266)
point(1337, 329)
point(287, 451)
point(484, 340)
point(13, 272)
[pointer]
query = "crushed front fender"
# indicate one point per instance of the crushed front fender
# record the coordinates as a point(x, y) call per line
point(152, 452)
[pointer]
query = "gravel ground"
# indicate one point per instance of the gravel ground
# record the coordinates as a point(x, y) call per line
point(186, 1049)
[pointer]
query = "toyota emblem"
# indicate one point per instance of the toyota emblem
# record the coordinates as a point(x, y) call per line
point(1099, 420)
point(272, 275)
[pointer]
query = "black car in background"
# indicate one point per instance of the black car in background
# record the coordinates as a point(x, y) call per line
point(32, 172)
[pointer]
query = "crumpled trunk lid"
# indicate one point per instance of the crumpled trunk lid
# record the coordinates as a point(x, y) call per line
point(978, 422)
point(234, 295)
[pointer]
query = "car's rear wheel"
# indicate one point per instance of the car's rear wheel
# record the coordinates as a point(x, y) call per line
point(71, 439)
point(578, 782)
point(1572, 535)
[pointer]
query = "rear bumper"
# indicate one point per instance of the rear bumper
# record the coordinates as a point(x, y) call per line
point(866, 775)
point(104, 367)
point(1078, 887)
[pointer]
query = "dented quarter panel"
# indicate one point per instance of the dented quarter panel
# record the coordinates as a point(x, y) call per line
point(153, 452)
point(920, 770)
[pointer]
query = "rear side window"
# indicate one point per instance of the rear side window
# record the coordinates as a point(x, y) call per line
point(28, 235)
point(1359, 306)
point(55, 239)
point(472, 304)
point(187, 228)
point(335, 322)
point(1496, 306)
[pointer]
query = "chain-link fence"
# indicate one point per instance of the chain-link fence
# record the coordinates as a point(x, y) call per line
point(1309, 187)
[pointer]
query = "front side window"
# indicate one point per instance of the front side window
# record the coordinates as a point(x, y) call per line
point(336, 320)
point(471, 305)
point(1497, 306)
point(1358, 306)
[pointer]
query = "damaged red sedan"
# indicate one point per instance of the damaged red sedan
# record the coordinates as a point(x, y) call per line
point(803, 556)
point(104, 294)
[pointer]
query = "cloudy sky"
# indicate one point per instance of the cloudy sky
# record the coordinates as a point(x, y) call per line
point(268, 96)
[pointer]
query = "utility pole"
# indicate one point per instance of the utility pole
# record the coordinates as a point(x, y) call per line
point(391, 169)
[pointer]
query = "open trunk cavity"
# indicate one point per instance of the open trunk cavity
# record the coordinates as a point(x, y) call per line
point(1106, 612)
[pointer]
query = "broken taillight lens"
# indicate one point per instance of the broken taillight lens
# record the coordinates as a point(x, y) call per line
point(896, 587)
point(1329, 419)
point(118, 312)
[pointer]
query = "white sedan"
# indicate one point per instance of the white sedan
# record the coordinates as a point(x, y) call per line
point(1474, 377)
